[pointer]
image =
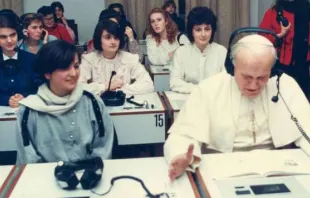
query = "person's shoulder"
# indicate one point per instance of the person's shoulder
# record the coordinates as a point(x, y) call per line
point(218, 47)
point(149, 37)
point(127, 57)
point(51, 38)
point(24, 55)
point(92, 56)
point(184, 49)
point(288, 82)
point(215, 82)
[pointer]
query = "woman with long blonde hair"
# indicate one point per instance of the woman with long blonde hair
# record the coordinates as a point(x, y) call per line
point(163, 38)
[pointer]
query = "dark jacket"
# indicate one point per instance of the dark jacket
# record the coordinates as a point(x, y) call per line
point(19, 78)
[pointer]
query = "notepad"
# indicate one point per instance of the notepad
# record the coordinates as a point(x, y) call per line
point(260, 163)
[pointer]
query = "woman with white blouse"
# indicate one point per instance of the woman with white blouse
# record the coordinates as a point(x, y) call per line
point(202, 58)
point(163, 38)
point(97, 67)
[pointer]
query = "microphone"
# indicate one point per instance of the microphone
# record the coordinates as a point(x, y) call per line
point(113, 98)
point(112, 74)
point(275, 99)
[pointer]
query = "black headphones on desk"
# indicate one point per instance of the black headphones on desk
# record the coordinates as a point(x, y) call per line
point(228, 61)
point(65, 173)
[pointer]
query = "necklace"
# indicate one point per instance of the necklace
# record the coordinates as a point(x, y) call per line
point(252, 120)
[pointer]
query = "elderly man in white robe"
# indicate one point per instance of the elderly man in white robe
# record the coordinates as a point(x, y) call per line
point(235, 113)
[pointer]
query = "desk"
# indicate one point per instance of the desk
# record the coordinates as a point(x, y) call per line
point(175, 102)
point(212, 164)
point(161, 77)
point(37, 180)
point(6, 173)
point(140, 126)
point(7, 129)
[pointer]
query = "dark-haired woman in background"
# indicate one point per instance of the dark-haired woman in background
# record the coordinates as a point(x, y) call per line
point(131, 44)
point(203, 58)
point(294, 51)
point(162, 40)
point(17, 78)
point(60, 18)
point(124, 22)
point(170, 7)
point(35, 36)
point(61, 121)
point(53, 28)
point(96, 68)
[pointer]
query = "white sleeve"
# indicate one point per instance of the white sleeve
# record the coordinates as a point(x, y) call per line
point(143, 82)
point(86, 68)
point(190, 127)
point(156, 54)
point(177, 82)
point(301, 109)
point(184, 40)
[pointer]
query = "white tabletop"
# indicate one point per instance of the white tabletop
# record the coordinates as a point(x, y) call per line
point(4, 173)
point(150, 98)
point(215, 166)
point(176, 100)
point(38, 180)
point(7, 112)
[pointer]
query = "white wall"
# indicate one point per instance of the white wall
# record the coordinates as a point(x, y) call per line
point(257, 10)
point(85, 13)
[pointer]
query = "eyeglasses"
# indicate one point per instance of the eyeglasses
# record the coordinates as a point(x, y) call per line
point(49, 19)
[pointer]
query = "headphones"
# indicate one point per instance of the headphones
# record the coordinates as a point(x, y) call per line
point(65, 173)
point(228, 61)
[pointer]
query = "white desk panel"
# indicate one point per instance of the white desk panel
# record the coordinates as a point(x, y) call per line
point(37, 180)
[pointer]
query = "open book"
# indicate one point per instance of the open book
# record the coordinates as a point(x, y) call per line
point(259, 163)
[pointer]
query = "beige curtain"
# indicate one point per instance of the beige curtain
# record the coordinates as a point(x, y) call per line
point(16, 5)
point(231, 14)
point(137, 12)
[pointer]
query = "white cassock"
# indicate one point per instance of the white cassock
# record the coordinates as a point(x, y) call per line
point(218, 115)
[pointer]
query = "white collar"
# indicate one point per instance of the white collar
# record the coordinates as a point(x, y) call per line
point(5, 57)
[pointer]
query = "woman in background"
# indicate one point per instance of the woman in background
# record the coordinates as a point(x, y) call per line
point(163, 38)
point(97, 66)
point(294, 32)
point(17, 78)
point(35, 36)
point(202, 58)
point(60, 18)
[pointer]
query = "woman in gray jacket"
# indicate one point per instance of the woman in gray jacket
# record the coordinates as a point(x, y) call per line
point(62, 121)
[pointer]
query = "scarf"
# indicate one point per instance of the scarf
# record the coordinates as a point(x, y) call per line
point(46, 101)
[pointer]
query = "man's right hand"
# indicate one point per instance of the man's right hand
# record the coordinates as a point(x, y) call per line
point(180, 163)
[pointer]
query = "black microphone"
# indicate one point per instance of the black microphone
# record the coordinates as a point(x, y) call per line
point(275, 98)
point(112, 74)
point(113, 98)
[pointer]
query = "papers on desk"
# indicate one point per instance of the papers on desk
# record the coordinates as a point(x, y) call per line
point(259, 163)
